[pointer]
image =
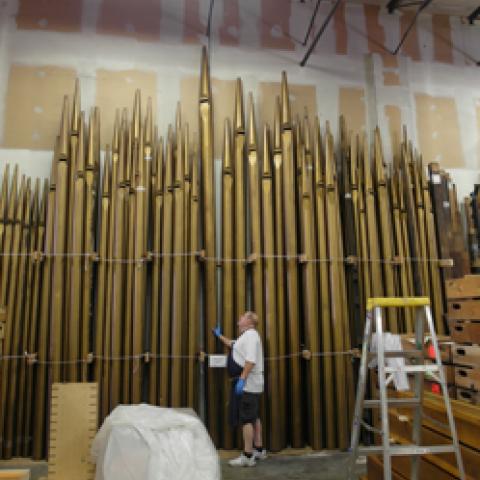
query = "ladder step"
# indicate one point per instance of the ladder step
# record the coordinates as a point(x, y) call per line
point(412, 369)
point(399, 450)
point(394, 402)
point(398, 354)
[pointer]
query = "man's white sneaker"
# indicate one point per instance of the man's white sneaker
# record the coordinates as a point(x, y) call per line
point(243, 461)
point(260, 455)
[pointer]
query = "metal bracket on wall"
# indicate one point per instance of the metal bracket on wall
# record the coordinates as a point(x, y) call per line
point(474, 16)
point(320, 32)
point(312, 21)
point(394, 4)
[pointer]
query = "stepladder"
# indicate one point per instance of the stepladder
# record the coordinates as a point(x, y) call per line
point(413, 365)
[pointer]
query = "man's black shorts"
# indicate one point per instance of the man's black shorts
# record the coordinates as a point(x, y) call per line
point(249, 407)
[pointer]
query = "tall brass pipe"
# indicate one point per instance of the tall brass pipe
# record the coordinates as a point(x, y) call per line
point(208, 191)
point(158, 195)
point(228, 241)
point(12, 333)
point(323, 280)
point(240, 199)
point(385, 231)
point(310, 292)
point(194, 339)
point(34, 318)
point(281, 364)
point(335, 292)
point(178, 295)
point(76, 262)
point(40, 389)
point(30, 237)
point(291, 250)
point(167, 249)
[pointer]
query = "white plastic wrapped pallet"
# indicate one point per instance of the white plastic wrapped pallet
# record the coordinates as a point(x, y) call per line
point(142, 442)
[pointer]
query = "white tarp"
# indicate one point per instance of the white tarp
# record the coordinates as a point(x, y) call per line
point(142, 442)
point(392, 343)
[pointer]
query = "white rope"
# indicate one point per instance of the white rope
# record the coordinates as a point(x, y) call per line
point(299, 257)
point(33, 359)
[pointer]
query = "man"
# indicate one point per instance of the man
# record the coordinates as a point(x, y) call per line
point(245, 364)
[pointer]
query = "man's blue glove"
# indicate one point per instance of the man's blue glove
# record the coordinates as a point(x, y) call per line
point(239, 386)
point(217, 332)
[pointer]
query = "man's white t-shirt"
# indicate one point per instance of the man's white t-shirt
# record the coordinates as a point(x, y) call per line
point(248, 348)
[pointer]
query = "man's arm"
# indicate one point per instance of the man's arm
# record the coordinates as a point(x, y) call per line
point(226, 341)
point(246, 370)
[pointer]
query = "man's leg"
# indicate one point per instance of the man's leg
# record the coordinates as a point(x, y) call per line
point(248, 433)
point(258, 441)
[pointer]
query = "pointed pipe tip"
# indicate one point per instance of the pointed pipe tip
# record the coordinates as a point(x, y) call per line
point(252, 128)
point(277, 129)
point(239, 112)
point(205, 87)
point(266, 167)
point(286, 117)
point(227, 147)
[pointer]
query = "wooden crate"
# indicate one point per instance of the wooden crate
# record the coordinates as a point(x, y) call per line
point(467, 377)
point(73, 425)
point(463, 288)
point(464, 331)
point(469, 396)
point(436, 432)
point(468, 355)
point(464, 309)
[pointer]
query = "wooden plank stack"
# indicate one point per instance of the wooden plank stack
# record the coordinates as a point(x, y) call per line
point(463, 298)
point(440, 467)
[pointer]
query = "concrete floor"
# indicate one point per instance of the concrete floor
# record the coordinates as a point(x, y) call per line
point(310, 466)
point(313, 466)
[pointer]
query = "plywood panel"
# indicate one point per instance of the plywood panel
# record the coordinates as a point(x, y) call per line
point(301, 97)
point(140, 19)
point(223, 104)
point(55, 15)
point(352, 107)
point(230, 29)
point(391, 79)
point(442, 38)
point(34, 105)
point(73, 425)
point(116, 90)
point(340, 26)
point(394, 116)
point(438, 130)
point(193, 28)
point(274, 24)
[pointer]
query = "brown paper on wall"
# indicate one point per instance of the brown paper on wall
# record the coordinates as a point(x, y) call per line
point(140, 19)
point(352, 106)
point(223, 92)
point(301, 97)
point(53, 15)
point(438, 130)
point(34, 105)
point(116, 90)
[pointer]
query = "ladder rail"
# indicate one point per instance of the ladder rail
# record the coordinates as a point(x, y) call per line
point(360, 398)
point(446, 398)
point(387, 462)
